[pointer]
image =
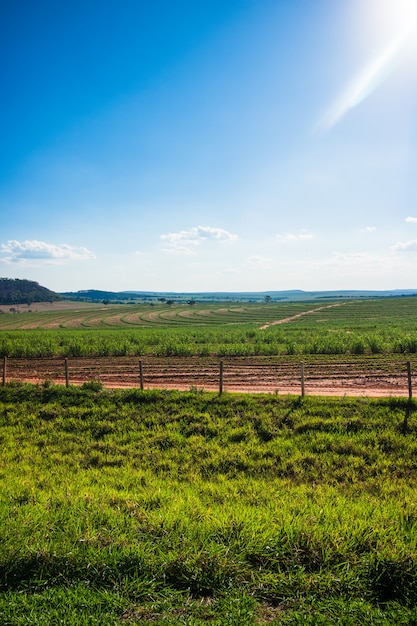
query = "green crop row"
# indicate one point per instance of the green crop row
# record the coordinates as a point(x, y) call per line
point(219, 341)
point(385, 326)
point(359, 314)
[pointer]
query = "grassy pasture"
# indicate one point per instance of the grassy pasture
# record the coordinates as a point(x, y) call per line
point(189, 508)
point(380, 326)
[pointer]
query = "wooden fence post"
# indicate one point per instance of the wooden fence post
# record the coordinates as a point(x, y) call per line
point(66, 373)
point(410, 385)
point(4, 370)
point(221, 379)
point(302, 380)
point(141, 375)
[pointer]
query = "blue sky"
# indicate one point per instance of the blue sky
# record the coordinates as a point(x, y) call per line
point(206, 146)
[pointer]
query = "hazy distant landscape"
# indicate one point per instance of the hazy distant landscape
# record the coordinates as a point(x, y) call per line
point(295, 295)
point(23, 291)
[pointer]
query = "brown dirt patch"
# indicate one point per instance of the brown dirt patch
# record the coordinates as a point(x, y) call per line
point(367, 377)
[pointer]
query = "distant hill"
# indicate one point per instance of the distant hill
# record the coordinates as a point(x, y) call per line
point(96, 295)
point(21, 291)
point(293, 295)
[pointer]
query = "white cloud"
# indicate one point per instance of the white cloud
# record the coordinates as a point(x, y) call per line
point(411, 219)
point(35, 252)
point(405, 246)
point(368, 229)
point(288, 237)
point(259, 262)
point(178, 249)
point(362, 265)
point(353, 259)
point(186, 241)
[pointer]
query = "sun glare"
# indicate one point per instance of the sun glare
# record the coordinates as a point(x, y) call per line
point(387, 19)
point(391, 28)
point(398, 13)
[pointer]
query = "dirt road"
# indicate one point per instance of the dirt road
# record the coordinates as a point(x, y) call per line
point(298, 315)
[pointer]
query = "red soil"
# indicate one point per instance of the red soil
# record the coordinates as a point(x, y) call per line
point(370, 377)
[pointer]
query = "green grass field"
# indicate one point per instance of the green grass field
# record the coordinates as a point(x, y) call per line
point(379, 326)
point(189, 508)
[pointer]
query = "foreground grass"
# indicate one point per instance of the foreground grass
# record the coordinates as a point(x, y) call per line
point(189, 508)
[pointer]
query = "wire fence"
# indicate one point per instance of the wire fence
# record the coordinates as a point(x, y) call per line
point(376, 376)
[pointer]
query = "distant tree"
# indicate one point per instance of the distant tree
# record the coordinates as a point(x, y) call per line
point(267, 299)
point(191, 302)
point(170, 302)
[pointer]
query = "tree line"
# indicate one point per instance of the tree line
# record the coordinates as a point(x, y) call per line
point(22, 291)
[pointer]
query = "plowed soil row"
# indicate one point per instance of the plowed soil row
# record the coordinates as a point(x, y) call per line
point(352, 376)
